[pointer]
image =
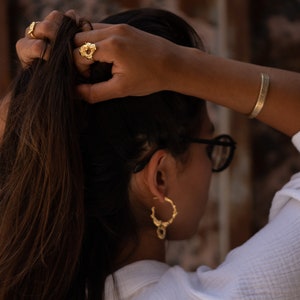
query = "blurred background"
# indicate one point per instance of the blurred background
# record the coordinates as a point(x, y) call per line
point(265, 32)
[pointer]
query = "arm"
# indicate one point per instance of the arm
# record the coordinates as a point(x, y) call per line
point(236, 85)
point(144, 63)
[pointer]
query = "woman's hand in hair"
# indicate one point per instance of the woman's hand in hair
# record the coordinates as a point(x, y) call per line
point(29, 47)
point(142, 63)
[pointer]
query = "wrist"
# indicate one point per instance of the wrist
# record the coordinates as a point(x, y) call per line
point(188, 72)
point(174, 68)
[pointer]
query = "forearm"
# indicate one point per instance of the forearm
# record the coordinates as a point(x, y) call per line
point(236, 85)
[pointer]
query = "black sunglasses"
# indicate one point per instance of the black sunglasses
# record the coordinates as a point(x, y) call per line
point(220, 151)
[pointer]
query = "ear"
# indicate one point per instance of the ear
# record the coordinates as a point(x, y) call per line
point(159, 172)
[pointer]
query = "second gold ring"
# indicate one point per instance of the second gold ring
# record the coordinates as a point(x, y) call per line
point(31, 29)
point(87, 50)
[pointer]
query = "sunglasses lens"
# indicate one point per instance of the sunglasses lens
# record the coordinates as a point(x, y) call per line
point(221, 155)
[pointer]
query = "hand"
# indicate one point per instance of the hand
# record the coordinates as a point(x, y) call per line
point(140, 61)
point(29, 48)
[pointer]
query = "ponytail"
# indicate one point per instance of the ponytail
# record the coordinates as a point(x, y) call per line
point(41, 184)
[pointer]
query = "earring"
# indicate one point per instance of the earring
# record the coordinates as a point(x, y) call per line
point(161, 225)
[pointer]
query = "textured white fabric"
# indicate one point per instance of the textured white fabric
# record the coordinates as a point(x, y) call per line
point(266, 267)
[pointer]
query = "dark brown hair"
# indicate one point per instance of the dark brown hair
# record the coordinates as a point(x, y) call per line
point(65, 167)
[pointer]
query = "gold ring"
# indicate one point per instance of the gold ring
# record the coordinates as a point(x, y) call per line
point(31, 29)
point(87, 50)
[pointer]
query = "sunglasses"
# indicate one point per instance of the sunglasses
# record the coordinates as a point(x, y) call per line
point(220, 151)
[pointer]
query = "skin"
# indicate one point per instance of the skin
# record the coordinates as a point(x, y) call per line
point(172, 67)
point(185, 182)
point(182, 70)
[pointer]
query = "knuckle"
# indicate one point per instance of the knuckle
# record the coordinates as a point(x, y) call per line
point(37, 47)
point(115, 43)
point(121, 29)
point(86, 26)
point(19, 44)
point(48, 29)
point(41, 27)
point(46, 26)
point(55, 14)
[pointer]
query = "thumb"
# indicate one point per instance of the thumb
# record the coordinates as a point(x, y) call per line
point(98, 92)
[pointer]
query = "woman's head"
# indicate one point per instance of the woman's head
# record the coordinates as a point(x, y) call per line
point(127, 131)
point(60, 154)
point(136, 150)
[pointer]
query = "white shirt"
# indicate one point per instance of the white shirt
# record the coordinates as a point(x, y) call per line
point(266, 267)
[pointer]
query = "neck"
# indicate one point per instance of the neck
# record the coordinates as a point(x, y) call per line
point(147, 247)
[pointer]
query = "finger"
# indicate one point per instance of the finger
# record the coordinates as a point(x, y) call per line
point(91, 36)
point(102, 25)
point(54, 16)
point(47, 28)
point(101, 91)
point(82, 63)
point(103, 32)
point(102, 54)
point(72, 14)
point(108, 49)
point(76, 17)
point(28, 49)
point(87, 26)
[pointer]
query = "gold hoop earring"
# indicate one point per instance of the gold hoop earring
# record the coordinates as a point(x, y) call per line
point(162, 225)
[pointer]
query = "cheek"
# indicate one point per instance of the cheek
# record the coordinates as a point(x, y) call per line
point(198, 180)
point(191, 200)
point(198, 195)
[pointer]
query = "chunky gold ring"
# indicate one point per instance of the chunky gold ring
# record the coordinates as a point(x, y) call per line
point(31, 29)
point(87, 50)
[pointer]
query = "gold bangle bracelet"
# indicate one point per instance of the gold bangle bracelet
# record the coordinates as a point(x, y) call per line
point(264, 88)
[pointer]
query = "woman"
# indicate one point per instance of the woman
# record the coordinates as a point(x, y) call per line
point(89, 189)
point(267, 266)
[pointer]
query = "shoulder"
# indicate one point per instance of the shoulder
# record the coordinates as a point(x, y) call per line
point(265, 267)
point(152, 280)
